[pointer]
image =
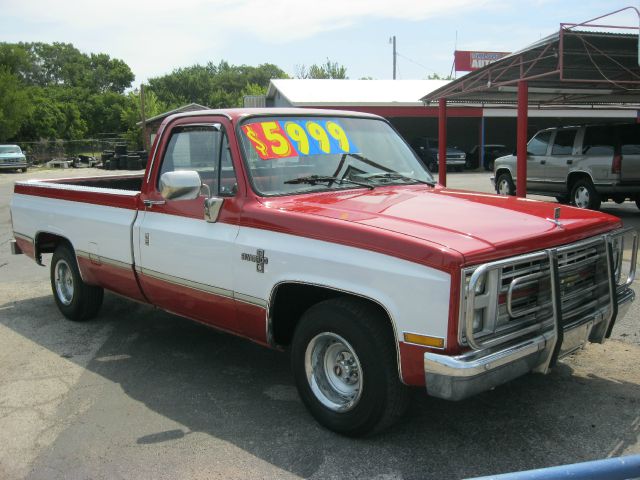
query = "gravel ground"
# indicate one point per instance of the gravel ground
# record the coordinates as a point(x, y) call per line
point(139, 393)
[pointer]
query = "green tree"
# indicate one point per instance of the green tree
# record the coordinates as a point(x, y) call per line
point(14, 104)
point(216, 86)
point(435, 76)
point(132, 113)
point(327, 70)
point(56, 114)
point(61, 64)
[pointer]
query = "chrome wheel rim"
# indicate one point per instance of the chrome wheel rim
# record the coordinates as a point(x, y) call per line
point(503, 187)
point(64, 282)
point(333, 372)
point(581, 197)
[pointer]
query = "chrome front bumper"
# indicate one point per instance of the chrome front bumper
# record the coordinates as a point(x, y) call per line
point(459, 377)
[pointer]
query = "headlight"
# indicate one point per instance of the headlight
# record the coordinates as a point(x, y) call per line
point(478, 321)
point(618, 248)
point(480, 284)
point(624, 270)
point(464, 156)
point(437, 156)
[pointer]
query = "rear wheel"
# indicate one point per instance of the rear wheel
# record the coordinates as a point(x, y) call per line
point(75, 299)
point(564, 199)
point(584, 195)
point(505, 185)
point(344, 363)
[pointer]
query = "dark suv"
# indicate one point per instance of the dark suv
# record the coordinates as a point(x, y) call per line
point(427, 150)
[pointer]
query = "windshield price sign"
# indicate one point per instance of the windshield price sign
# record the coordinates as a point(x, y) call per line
point(298, 137)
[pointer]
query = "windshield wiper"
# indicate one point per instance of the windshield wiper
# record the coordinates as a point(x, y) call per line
point(315, 179)
point(398, 176)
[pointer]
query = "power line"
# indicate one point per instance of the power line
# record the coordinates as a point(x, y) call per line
point(413, 61)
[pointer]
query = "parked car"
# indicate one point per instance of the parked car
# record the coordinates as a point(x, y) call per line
point(491, 152)
point(582, 165)
point(320, 232)
point(12, 158)
point(427, 150)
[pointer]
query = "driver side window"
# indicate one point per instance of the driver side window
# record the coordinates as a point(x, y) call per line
point(538, 144)
point(204, 149)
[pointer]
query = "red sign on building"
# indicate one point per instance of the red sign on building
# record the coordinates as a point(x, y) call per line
point(467, 61)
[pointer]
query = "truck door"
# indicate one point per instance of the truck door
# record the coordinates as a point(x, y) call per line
point(184, 262)
point(561, 160)
point(630, 151)
point(536, 159)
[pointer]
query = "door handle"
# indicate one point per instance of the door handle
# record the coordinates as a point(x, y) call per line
point(151, 203)
point(542, 162)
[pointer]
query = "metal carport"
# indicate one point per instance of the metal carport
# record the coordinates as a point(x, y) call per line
point(587, 64)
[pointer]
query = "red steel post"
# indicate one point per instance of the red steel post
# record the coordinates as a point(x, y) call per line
point(442, 142)
point(523, 113)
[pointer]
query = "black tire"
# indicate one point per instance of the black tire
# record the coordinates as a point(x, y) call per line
point(584, 195)
point(348, 325)
point(489, 166)
point(564, 199)
point(638, 201)
point(505, 185)
point(75, 299)
point(432, 166)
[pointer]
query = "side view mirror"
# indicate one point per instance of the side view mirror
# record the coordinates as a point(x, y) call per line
point(180, 185)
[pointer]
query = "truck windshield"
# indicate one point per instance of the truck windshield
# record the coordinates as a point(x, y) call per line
point(288, 155)
point(9, 149)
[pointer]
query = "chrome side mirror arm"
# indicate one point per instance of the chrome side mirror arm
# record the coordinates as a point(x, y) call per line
point(212, 206)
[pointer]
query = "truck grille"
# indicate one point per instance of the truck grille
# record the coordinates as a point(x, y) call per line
point(517, 297)
point(583, 287)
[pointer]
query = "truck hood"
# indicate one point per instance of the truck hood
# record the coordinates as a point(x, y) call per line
point(479, 226)
point(450, 151)
point(5, 156)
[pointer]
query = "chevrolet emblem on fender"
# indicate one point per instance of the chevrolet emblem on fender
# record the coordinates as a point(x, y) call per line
point(259, 259)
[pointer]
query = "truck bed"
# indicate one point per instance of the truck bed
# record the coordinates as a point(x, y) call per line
point(120, 191)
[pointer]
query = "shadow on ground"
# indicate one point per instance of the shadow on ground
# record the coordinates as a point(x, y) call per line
point(242, 393)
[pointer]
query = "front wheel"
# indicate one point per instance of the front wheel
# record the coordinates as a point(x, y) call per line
point(584, 195)
point(75, 299)
point(345, 367)
point(505, 185)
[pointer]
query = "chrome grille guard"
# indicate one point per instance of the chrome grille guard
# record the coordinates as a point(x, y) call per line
point(549, 261)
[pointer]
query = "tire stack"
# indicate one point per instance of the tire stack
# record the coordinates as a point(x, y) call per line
point(144, 159)
point(107, 156)
point(133, 162)
point(120, 157)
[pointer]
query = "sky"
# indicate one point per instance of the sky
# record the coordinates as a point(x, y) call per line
point(155, 37)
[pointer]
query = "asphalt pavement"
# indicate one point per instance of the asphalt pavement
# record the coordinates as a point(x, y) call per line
point(139, 393)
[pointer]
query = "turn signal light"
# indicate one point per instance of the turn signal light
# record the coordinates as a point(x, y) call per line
point(616, 165)
point(425, 340)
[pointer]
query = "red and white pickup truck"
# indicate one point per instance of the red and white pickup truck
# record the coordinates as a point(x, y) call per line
point(321, 231)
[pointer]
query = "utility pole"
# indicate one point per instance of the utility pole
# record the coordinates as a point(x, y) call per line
point(145, 139)
point(393, 41)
